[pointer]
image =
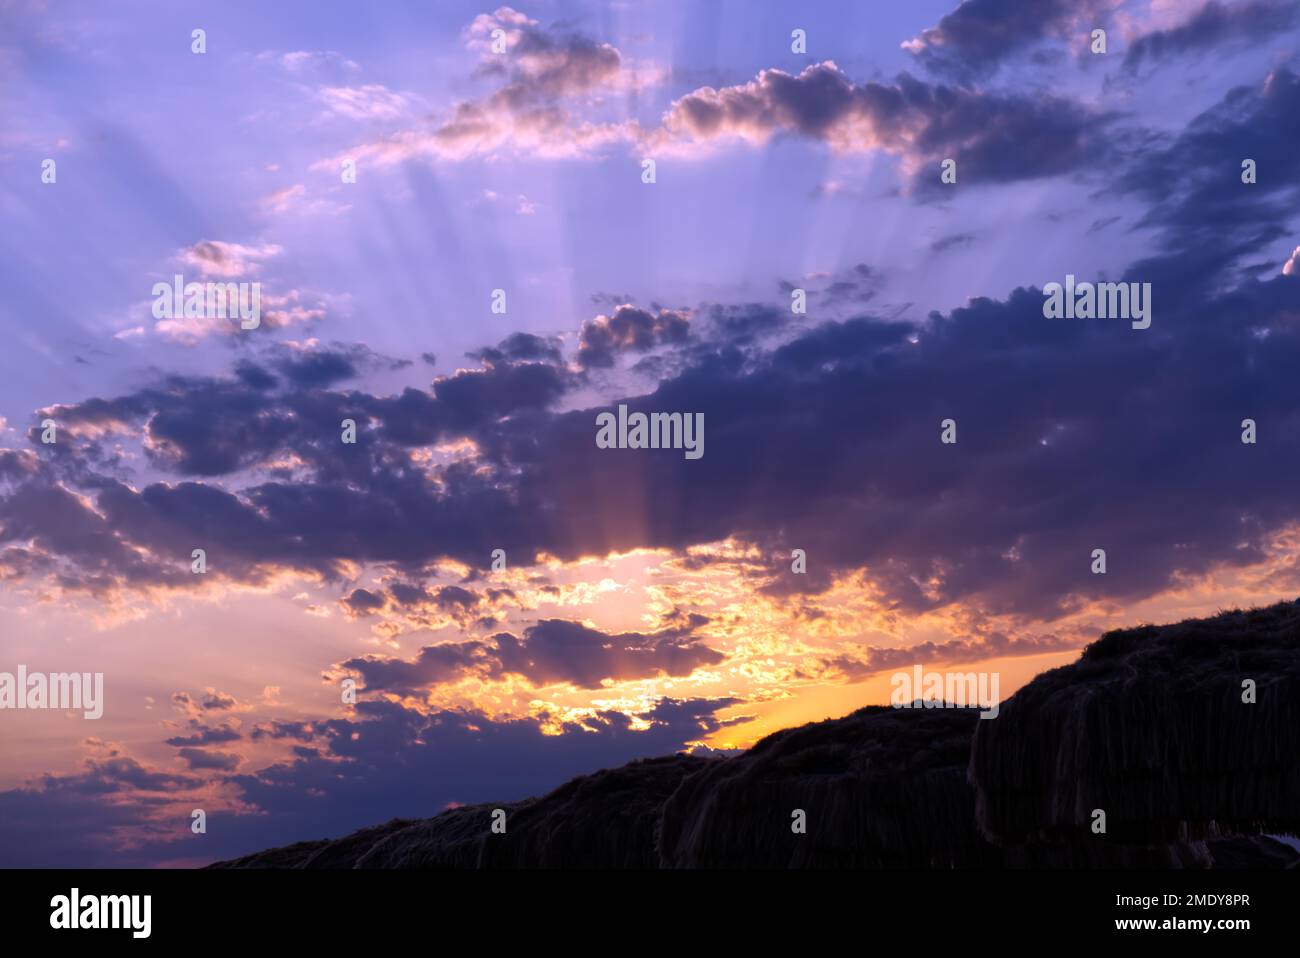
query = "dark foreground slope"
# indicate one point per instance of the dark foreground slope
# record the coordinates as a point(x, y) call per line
point(1155, 728)
point(1152, 727)
point(882, 787)
point(605, 820)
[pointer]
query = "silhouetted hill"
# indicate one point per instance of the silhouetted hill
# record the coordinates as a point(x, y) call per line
point(1149, 727)
point(605, 820)
point(882, 787)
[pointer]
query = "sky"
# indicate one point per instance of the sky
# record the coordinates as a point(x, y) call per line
point(644, 602)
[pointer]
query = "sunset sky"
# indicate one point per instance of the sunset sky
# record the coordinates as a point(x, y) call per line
point(648, 603)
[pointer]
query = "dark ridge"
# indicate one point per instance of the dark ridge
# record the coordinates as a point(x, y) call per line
point(323, 853)
point(881, 788)
point(1149, 726)
point(289, 856)
point(605, 820)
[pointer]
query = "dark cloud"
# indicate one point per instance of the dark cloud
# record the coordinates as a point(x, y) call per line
point(199, 759)
point(473, 398)
point(217, 426)
point(543, 72)
point(254, 376)
point(1214, 26)
point(546, 65)
point(742, 324)
point(316, 368)
point(116, 774)
point(404, 593)
point(18, 464)
point(853, 288)
point(833, 441)
point(996, 138)
point(454, 598)
point(628, 329)
point(94, 810)
point(200, 427)
point(556, 650)
point(551, 652)
point(521, 346)
point(979, 35)
point(276, 729)
point(219, 701)
point(423, 606)
point(362, 602)
point(433, 665)
point(1207, 219)
point(210, 701)
point(205, 735)
point(59, 534)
